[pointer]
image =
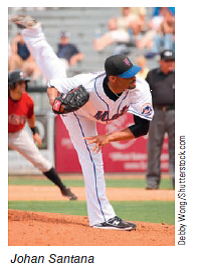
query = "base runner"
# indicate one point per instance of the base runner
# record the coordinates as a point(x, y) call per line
point(20, 111)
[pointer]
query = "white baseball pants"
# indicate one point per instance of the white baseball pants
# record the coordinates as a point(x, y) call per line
point(99, 208)
point(21, 142)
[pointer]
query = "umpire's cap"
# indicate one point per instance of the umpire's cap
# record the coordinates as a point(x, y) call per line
point(16, 76)
point(167, 55)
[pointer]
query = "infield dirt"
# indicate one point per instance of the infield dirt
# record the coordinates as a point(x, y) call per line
point(49, 193)
point(36, 229)
point(27, 228)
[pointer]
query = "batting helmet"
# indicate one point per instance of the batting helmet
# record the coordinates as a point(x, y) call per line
point(16, 76)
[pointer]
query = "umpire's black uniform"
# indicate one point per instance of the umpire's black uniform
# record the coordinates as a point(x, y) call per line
point(162, 85)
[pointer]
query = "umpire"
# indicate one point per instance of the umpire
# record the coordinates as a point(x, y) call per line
point(162, 85)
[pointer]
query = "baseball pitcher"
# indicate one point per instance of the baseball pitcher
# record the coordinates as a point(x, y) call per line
point(85, 100)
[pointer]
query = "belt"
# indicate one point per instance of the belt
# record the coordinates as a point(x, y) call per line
point(165, 108)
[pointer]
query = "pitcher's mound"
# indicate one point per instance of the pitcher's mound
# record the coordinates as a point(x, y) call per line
point(51, 229)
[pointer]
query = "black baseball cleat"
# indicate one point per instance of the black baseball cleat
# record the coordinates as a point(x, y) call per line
point(67, 192)
point(23, 21)
point(117, 223)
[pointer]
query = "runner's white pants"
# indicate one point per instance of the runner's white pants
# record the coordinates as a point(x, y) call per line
point(98, 206)
point(21, 142)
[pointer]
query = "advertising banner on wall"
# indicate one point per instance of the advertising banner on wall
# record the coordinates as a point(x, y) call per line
point(126, 156)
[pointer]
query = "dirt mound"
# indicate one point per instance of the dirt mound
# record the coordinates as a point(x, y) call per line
point(27, 228)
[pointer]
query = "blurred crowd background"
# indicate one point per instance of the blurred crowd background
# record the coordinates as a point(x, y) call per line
point(92, 34)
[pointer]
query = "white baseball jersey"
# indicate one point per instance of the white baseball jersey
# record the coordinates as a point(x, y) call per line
point(100, 107)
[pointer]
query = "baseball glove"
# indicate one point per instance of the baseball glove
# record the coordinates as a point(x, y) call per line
point(71, 101)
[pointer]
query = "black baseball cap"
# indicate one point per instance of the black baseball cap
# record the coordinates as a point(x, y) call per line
point(17, 76)
point(167, 55)
point(121, 66)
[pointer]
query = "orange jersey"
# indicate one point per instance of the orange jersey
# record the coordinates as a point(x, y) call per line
point(19, 111)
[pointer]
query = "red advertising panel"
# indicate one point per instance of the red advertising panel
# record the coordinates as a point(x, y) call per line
point(66, 159)
point(126, 156)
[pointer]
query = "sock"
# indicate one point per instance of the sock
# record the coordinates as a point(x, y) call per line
point(54, 177)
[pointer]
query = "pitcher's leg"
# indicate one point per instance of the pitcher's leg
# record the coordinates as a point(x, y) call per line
point(98, 206)
point(43, 53)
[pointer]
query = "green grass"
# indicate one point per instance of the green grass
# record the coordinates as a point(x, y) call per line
point(142, 211)
point(110, 182)
point(146, 211)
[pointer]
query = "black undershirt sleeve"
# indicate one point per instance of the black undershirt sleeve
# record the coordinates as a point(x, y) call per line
point(140, 128)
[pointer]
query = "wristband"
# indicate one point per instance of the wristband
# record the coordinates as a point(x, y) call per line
point(34, 130)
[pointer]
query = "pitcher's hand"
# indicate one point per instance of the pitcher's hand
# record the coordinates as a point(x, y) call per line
point(99, 141)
